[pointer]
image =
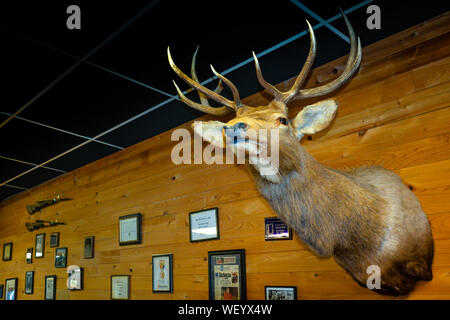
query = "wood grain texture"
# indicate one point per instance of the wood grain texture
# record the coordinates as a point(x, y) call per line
point(394, 113)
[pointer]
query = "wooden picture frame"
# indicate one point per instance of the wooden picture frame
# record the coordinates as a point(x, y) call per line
point(88, 248)
point(60, 257)
point(162, 273)
point(50, 288)
point(39, 246)
point(280, 292)
point(11, 289)
point(204, 225)
point(29, 282)
point(130, 229)
point(54, 239)
point(120, 287)
point(7, 251)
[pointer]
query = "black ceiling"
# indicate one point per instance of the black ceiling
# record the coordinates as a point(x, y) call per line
point(111, 81)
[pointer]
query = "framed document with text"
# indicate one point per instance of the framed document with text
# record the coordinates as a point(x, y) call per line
point(50, 288)
point(29, 282)
point(281, 293)
point(130, 229)
point(204, 225)
point(40, 246)
point(275, 229)
point(162, 273)
point(226, 273)
point(54, 239)
point(11, 289)
point(7, 251)
point(120, 287)
point(89, 247)
point(29, 255)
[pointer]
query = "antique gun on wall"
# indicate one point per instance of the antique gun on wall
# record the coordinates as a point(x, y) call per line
point(31, 226)
point(32, 209)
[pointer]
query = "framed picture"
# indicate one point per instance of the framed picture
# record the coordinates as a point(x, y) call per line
point(29, 255)
point(130, 229)
point(162, 276)
point(89, 247)
point(7, 251)
point(29, 282)
point(50, 288)
point(11, 289)
point(75, 281)
point(54, 239)
point(226, 273)
point(204, 225)
point(40, 246)
point(60, 257)
point(281, 293)
point(275, 229)
point(1, 291)
point(120, 287)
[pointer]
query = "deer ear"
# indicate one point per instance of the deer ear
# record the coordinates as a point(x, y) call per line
point(210, 131)
point(315, 117)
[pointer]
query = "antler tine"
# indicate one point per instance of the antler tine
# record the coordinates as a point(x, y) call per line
point(234, 90)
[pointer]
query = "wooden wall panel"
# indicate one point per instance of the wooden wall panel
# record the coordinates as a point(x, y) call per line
point(394, 113)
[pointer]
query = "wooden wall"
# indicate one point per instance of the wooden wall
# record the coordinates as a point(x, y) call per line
point(395, 112)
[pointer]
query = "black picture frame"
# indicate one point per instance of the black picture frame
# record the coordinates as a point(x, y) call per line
point(137, 230)
point(29, 282)
point(268, 296)
point(50, 295)
point(212, 211)
point(75, 278)
point(7, 251)
point(162, 257)
point(234, 260)
point(60, 257)
point(128, 286)
point(9, 292)
point(54, 239)
point(1, 290)
point(39, 251)
point(88, 249)
point(275, 230)
point(29, 255)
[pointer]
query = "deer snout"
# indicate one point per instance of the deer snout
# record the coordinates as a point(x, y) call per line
point(235, 131)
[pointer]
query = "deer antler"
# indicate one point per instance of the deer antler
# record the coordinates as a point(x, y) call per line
point(295, 93)
point(204, 92)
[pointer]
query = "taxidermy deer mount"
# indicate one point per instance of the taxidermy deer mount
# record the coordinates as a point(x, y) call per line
point(361, 217)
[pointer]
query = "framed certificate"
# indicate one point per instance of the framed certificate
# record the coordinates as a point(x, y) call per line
point(29, 282)
point(130, 229)
point(89, 247)
point(50, 288)
point(75, 281)
point(204, 225)
point(275, 229)
point(29, 255)
point(11, 289)
point(40, 246)
point(54, 239)
point(120, 287)
point(162, 273)
point(281, 293)
point(226, 273)
point(60, 257)
point(7, 251)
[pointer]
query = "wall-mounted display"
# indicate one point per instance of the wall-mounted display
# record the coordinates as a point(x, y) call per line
point(204, 225)
point(275, 229)
point(11, 289)
point(40, 245)
point(33, 208)
point(120, 287)
point(29, 282)
point(130, 229)
point(226, 273)
point(54, 239)
point(281, 293)
point(162, 273)
point(1, 291)
point(29, 255)
point(60, 257)
point(75, 281)
point(89, 247)
point(7, 251)
point(50, 288)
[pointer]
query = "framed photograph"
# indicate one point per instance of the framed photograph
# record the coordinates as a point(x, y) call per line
point(50, 288)
point(75, 281)
point(226, 273)
point(204, 225)
point(7, 251)
point(60, 257)
point(29, 255)
point(29, 282)
point(130, 229)
point(40, 246)
point(54, 239)
point(89, 247)
point(1, 291)
point(281, 293)
point(11, 289)
point(120, 287)
point(162, 273)
point(275, 229)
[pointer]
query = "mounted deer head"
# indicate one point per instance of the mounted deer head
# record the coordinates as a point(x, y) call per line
point(357, 216)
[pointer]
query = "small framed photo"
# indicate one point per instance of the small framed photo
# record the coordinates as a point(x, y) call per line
point(29, 282)
point(226, 273)
point(120, 287)
point(204, 225)
point(29, 255)
point(1, 291)
point(11, 289)
point(60, 257)
point(50, 288)
point(89, 247)
point(40, 246)
point(275, 229)
point(54, 239)
point(7, 251)
point(75, 281)
point(162, 273)
point(281, 293)
point(130, 229)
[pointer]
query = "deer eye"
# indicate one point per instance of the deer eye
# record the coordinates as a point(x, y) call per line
point(282, 120)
